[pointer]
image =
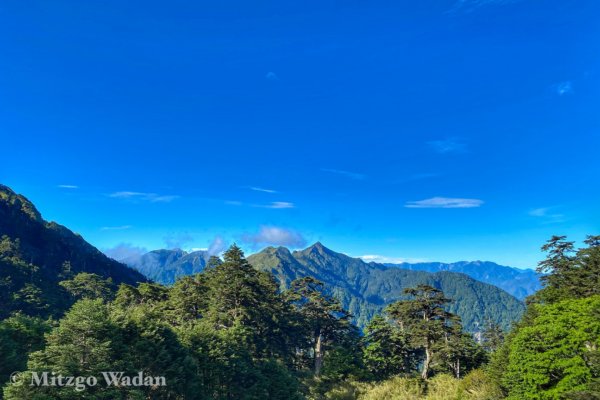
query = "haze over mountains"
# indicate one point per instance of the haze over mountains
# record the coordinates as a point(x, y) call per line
point(165, 266)
point(518, 282)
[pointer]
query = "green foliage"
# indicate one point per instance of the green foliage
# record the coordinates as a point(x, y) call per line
point(235, 331)
point(492, 336)
point(558, 353)
point(324, 321)
point(480, 385)
point(89, 286)
point(570, 273)
point(19, 336)
point(365, 289)
point(387, 350)
point(394, 389)
point(424, 320)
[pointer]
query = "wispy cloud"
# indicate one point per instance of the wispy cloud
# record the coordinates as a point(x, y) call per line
point(347, 174)
point(563, 88)
point(116, 228)
point(274, 236)
point(278, 205)
point(125, 251)
point(271, 76)
point(141, 196)
point(68, 186)
point(444, 202)
point(259, 189)
point(448, 146)
point(390, 260)
point(547, 214)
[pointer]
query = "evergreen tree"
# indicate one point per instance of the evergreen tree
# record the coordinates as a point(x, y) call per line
point(387, 350)
point(492, 336)
point(424, 319)
point(325, 321)
point(85, 343)
point(20, 335)
point(458, 353)
point(89, 286)
point(558, 354)
point(569, 273)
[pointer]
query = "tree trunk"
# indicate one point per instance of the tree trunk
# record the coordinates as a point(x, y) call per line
point(318, 354)
point(426, 363)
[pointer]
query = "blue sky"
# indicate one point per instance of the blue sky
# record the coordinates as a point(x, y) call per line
point(425, 130)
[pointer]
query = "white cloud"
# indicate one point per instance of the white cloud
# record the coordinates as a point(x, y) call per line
point(563, 88)
point(141, 196)
point(274, 236)
point(539, 212)
point(547, 214)
point(125, 251)
point(217, 246)
point(116, 228)
point(68, 186)
point(347, 174)
point(259, 189)
point(448, 146)
point(277, 205)
point(389, 260)
point(444, 202)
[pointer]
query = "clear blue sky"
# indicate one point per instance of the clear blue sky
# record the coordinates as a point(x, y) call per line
point(437, 130)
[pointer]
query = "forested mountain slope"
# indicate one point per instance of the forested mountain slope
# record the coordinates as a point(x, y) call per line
point(518, 282)
point(365, 289)
point(35, 255)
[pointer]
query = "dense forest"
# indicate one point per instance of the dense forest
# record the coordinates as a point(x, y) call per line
point(234, 331)
point(229, 333)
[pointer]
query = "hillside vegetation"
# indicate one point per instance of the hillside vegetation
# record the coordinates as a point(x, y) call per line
point(234, 331)
point(35, 255)
point(365, 289)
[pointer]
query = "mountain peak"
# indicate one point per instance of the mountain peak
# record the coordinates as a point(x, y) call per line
point(19, 204)
point(317, 247)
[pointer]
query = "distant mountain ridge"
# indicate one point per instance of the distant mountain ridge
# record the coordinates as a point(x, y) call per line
point(35, 255)
point(518, 282)
point(165, 266)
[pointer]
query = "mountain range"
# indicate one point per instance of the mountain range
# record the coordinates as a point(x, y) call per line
point(36, 255)
point(518, 282)
point(165, 266)
point(363, 288)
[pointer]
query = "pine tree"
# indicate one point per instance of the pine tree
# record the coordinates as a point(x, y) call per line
point(325, 321)
point(424, 319)
point(387, 350)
